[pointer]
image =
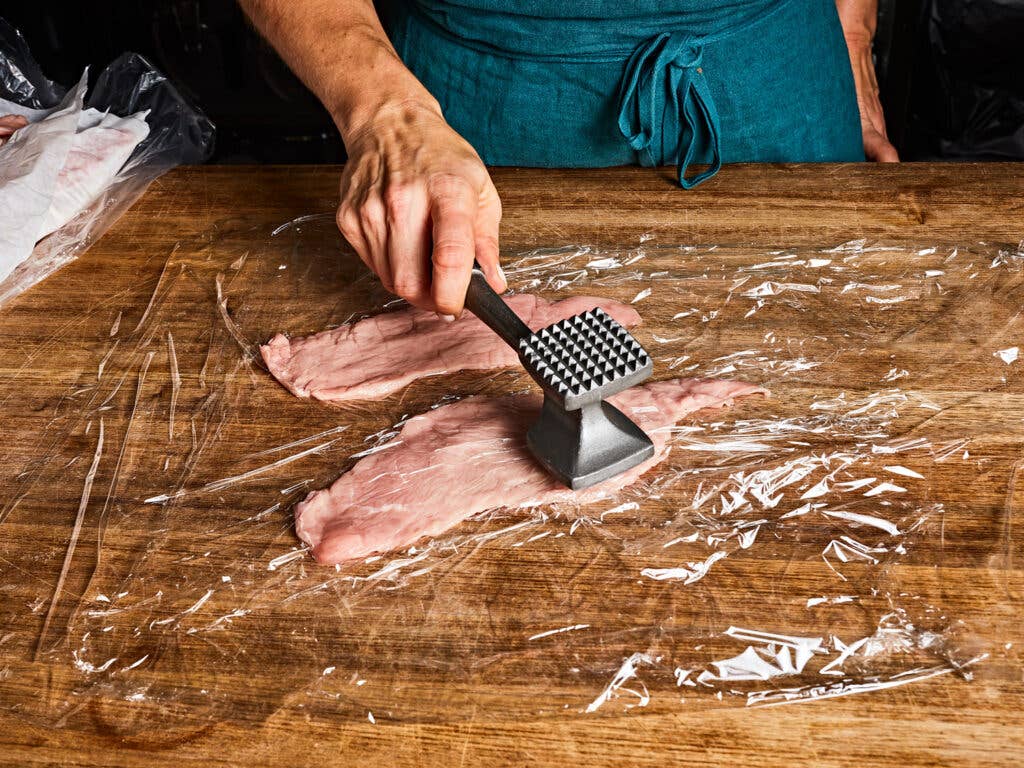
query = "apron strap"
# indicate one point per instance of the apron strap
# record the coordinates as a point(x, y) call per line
point(665, 102)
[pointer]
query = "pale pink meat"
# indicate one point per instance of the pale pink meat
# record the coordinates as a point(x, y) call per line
point(464, 458)
point(380, 355)
point(98, 151)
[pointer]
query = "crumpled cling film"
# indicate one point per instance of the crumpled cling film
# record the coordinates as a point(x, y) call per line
point(789, 549)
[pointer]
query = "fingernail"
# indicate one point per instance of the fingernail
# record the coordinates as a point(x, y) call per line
point(446, 318)
point(502, 273)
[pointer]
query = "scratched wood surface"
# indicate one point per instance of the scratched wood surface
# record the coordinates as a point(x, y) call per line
point(194, 629)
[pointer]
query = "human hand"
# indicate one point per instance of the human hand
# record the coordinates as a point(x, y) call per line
point(418, 205)
point(8, 125)
point(859, 19)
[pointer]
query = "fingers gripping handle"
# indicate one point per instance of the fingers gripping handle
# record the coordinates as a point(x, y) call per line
point(483, 302)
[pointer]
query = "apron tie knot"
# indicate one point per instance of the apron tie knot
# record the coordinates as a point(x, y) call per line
point(665, 107)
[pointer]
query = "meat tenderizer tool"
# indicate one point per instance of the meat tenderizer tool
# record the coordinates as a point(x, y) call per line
point(578, 362)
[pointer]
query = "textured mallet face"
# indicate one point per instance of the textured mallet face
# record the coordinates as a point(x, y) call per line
point(585, 358)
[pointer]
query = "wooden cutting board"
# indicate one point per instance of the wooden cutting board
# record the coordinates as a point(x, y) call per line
point(155, 604)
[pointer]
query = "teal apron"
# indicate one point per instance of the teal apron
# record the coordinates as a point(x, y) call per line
point(597, 83)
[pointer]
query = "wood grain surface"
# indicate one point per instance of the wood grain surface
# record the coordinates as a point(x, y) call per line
point(156, 607)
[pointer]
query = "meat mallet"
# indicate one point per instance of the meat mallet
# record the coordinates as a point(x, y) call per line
point(578, 362)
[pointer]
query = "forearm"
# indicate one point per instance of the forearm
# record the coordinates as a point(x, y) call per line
point(859, 18)
point(340, 51)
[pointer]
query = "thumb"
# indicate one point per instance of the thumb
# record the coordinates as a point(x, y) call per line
point(878, 148)
point(487, 232)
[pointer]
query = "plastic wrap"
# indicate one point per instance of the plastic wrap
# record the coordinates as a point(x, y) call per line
point(178, 134)
point(790, 549)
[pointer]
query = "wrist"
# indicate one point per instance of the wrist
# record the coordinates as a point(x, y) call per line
point(385, 109)
point(372, 82)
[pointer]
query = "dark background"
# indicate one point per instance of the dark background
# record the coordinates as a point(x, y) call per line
point(951, 72)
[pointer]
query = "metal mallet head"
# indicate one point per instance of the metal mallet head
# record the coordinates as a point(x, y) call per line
point(579, 362)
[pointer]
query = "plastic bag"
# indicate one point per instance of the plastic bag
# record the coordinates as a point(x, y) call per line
point(969, 83)
point(178, 134)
